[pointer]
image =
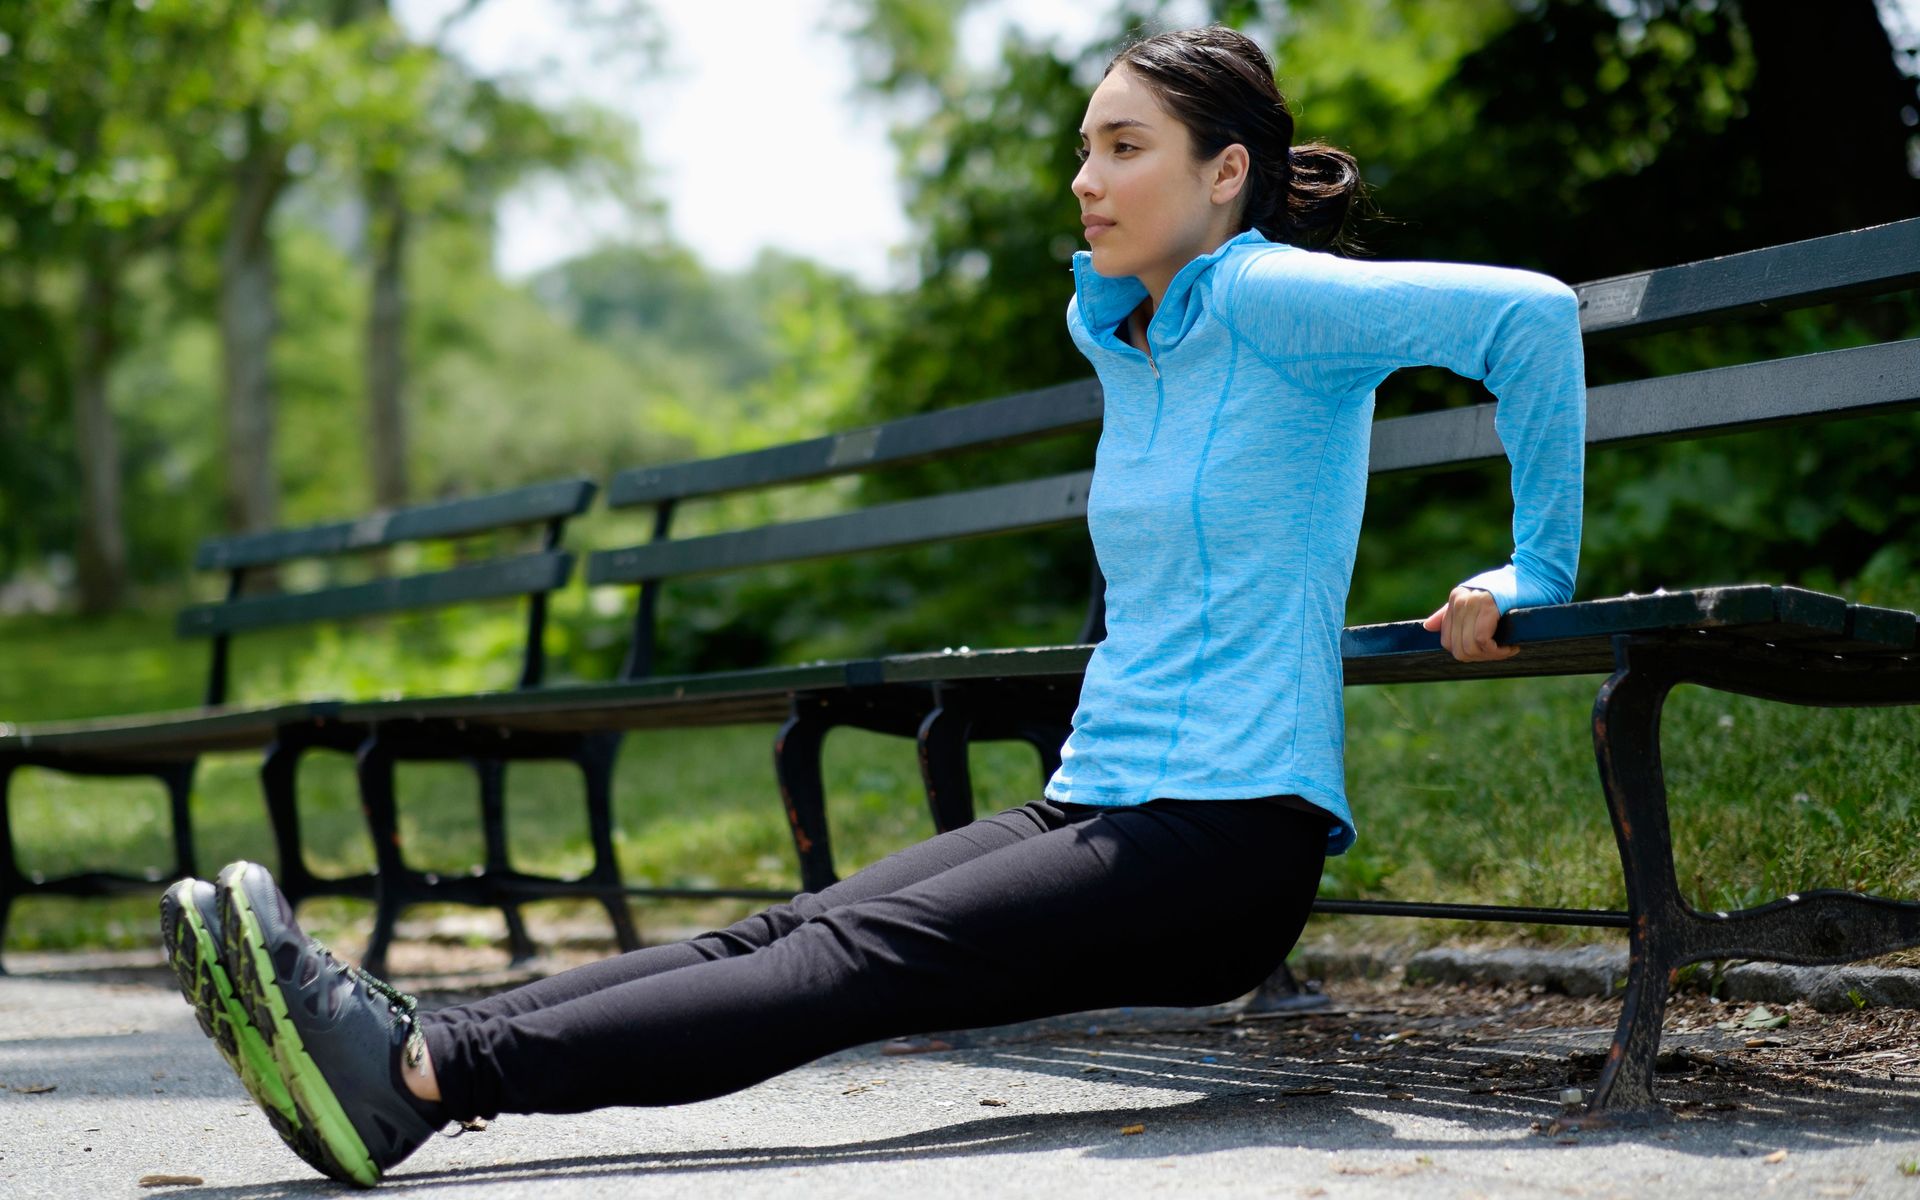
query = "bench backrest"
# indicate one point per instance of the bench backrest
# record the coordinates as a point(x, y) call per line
point(1857, 381)
point(532, 575)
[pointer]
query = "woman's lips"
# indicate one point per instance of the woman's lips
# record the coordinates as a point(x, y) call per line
point(1096, 228)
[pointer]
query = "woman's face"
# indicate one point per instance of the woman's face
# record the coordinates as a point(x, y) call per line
point(1147, 207)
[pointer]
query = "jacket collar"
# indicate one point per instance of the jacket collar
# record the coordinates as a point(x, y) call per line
point(1105, 301)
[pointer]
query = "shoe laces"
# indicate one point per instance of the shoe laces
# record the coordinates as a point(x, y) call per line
point(400, 1005)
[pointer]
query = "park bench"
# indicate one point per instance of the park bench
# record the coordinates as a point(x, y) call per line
point(807, 700)
point(1778, 642)
point(168, 746)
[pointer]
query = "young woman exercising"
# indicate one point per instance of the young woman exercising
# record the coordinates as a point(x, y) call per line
point(1181, 842)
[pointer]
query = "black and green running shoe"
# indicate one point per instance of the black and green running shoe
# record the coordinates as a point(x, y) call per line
point(338, 1034)
point(190, 929)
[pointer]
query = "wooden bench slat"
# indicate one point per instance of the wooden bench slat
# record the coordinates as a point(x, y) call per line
point(1871, 623)
point(717, 698)
point(1884, 258)
point(524, 575)
point(1007, 421)
point(1883, 378)
point(1777, 278)
point(766, 681)
point(170, 735)
point(452, 518)
point(1879, 378)
point(1558, 639)
point(1032, 505)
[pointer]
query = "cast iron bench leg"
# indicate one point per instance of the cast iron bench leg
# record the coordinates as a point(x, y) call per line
point(12, 882)
point(596, 757)
point(278, 772)
point(396, 887)
point(1626, 742)
point(942, 742)
point(279, 776)
point(178, 780)
point(1666, 933)
point(952, 726)
point(176, 777)
point(491, 773)
point(796, 763)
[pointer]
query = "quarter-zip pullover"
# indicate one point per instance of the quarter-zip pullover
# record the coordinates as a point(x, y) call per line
point(1228, 487)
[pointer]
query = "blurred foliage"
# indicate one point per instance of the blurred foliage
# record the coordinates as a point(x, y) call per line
point(121, 130)
point(1580, 137)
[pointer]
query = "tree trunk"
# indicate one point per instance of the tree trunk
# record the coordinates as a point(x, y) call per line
point(102, 552)
point(249, 317)
point(386, 340)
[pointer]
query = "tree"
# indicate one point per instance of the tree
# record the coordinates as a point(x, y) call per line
point(1580, 137)
point(112, 149)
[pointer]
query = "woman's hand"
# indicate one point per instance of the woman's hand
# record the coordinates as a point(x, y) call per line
point(1466, 623)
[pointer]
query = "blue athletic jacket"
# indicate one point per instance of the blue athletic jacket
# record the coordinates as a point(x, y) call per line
point(1227, 493)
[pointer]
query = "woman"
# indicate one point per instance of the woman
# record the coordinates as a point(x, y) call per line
point(1178, 848)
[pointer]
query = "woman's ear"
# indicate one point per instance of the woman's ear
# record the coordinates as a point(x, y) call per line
point(1230, 168)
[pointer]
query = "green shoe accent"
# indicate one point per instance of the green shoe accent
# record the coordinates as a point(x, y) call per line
point(194, 939)
point(319, 1108)
point(194, 955)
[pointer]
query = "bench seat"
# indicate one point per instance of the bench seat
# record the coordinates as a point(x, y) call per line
point(1564, 639)
point(716, 698)
point(161, 737)
point(1561, 639)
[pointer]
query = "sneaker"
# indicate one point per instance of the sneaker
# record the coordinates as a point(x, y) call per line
point(338, 1034)
point(190, 929)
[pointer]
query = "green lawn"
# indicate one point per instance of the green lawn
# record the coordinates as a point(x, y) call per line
point(1477, 792)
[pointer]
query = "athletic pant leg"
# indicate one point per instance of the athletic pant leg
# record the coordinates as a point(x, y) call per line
point(1174, 902)
point(897, 870)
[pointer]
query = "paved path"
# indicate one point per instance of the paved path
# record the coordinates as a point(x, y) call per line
point(1226, 1111)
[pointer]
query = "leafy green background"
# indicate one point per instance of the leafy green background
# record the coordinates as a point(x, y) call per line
point(1577, 137)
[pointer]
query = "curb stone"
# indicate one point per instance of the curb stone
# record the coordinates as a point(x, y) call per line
point(1602, 971)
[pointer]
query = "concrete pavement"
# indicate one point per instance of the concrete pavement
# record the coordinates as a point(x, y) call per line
point(105, 1078)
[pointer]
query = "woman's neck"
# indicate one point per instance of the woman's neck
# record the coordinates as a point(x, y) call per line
point(1160, 278)
point(1139, 319)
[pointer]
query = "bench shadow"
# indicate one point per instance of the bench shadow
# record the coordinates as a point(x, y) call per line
point(1243, 1093)
point(1255, 1098)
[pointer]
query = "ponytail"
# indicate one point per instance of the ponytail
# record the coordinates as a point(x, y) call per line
point(1219, 84)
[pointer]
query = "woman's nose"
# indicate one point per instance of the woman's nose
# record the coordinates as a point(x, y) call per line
point(1083, 181)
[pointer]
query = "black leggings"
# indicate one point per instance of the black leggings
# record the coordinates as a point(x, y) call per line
point(1040, 910)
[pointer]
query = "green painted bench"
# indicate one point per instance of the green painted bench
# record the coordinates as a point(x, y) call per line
point(1781, 642)
point(168, 746)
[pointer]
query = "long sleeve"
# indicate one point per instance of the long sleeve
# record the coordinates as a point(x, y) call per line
point(1339, 326)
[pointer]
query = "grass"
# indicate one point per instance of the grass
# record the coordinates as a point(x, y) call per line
point(1474, 792)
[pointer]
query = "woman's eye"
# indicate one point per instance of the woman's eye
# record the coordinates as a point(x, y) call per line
point(1123, 147)
point(1080, 152)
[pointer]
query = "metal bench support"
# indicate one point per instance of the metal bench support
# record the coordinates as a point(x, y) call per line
point(175, 775)
point(895, 710)
point(1666, 933)
point(1040, 715)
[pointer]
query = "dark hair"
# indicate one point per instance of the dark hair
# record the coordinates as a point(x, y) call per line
point(1220, 85)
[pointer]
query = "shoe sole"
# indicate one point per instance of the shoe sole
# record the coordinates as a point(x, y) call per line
point(195, 960)
point(344, 1155)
